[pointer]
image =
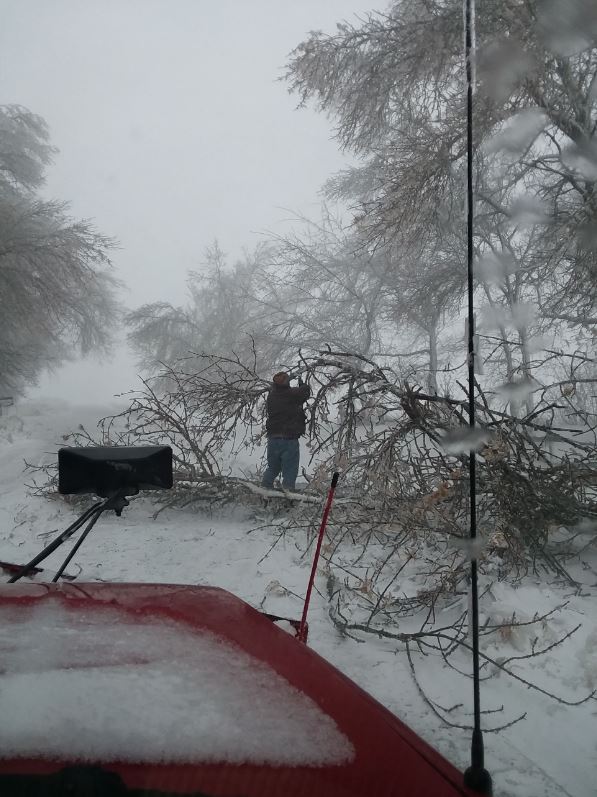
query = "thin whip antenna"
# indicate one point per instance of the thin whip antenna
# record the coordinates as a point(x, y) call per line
point(476, 776)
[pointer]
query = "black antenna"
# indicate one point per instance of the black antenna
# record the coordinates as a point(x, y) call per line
point(476, 776)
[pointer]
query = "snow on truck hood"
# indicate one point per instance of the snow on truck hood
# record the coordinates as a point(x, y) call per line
point(104, 684)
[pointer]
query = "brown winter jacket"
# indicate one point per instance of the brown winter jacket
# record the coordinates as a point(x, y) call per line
point(285, 413)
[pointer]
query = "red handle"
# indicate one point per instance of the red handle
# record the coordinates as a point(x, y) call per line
point(302, 634)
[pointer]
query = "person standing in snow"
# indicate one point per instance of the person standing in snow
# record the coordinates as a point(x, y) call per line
point(286, 422)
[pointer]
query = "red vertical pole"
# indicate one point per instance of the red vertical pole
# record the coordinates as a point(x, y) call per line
point(302, 635)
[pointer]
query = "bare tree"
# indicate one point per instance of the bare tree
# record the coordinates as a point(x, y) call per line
point(392, 82)
point(218, 317)
point(57, 294)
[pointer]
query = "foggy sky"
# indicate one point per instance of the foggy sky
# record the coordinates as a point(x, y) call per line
point(173, 131)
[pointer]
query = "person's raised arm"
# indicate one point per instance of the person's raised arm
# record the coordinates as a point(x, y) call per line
point(302, 392)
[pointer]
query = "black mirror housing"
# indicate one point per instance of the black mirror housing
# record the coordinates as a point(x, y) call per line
point(106, 470)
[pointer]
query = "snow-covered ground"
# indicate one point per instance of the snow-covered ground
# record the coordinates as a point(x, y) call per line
point(553, 751)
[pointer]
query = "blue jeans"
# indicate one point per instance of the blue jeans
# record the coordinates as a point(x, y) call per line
point(282, 455)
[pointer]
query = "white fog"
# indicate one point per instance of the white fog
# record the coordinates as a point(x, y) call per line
point(319, 280)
